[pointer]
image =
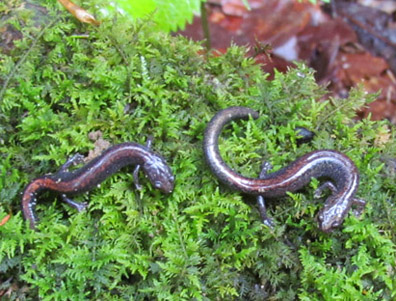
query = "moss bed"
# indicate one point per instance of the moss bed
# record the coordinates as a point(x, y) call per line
point(65, 80)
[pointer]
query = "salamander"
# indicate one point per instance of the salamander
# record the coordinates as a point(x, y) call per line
point(330, 164)
point(96, 171)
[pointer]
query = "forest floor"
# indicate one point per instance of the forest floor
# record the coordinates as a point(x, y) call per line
point(347, 43)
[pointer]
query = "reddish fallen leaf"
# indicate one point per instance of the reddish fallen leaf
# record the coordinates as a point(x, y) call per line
point(5, 220)
point(234, 7)
point(328, 31)
point(80, 13)
point(230, 23)
point(272, 62)
point(381, 109)
point(276, 22)
point(363, 68)
point(360, 66)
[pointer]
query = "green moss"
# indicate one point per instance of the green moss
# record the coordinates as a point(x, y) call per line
point(65, 80)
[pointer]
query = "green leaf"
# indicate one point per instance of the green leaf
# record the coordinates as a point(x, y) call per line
point(167, 15)
point(137, 9)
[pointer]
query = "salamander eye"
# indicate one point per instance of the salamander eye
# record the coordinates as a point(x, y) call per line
point(335, 224)
point(157, 184)
point(320, 217)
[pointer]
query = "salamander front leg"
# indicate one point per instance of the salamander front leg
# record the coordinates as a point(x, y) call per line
point(137, 168)
point(136, 178)
point(265, 167)
point(360, 205)
point(79, 206)
point(304, 135)
point(74, 160)
point(326, 185)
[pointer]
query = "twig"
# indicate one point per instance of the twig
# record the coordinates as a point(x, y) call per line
point(205, 26)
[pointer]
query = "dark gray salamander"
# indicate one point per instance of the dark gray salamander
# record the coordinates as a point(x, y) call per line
point(95, 172)
point(330, 164)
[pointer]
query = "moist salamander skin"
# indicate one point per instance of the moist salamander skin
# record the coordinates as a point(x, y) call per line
point(96, 171)
point(341, 172)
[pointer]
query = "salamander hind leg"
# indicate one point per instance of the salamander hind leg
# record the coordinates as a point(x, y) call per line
point(79, 206)
point(265, 168)
point(263, 212)
point(136, 178)
point(326, 185)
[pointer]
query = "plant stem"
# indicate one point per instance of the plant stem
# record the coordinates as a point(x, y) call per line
point(205, 26)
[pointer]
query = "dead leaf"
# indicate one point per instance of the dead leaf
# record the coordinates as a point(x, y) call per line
point(80, 13)
point(5, 220)
point(100, 145)
point(382, 137)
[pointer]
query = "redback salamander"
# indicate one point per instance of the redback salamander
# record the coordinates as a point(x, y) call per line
point(95, 172)
point(329, 164)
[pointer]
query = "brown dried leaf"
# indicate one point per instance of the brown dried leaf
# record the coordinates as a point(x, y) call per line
point(382, 137)
point(80, 13)
point(100, 145)
point(5, 220)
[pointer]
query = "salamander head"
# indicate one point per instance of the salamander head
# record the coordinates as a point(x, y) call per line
point(159, 174)
point(333, 213)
